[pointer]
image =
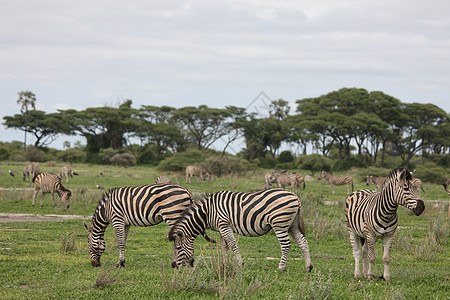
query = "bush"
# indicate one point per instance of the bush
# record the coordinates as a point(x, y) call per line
point(4, 153)
point(286, 166)
point(267, 162)
point(314, 163)
point(123, 159)
point(178, 161)
point(390, 162)
point(431, 173)
point(35, 154)
point(228, 164)
point(147, 157)
point(346, 164)
point(72, 155)
point(104, 155)
point(285, 157)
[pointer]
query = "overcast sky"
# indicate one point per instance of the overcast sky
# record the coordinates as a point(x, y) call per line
point(79, 54)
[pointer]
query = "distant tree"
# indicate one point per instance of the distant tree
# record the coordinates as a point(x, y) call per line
point(203, 125)
point(26, 99)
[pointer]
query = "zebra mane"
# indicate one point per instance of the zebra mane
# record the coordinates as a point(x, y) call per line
point(399, 170)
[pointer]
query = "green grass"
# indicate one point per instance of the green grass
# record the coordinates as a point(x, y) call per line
point(41, 260)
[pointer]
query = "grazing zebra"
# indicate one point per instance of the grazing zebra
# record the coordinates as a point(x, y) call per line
point(66, 171)
point(30, 170)
point(144, 205)
point(294, 180)
point(376, 180)
point(371, 215)
point(198, 171)
point(446, 186)
point(50, 183)
point(248, 214)
point(337, 180)
point(163, 179)
point(271, 177)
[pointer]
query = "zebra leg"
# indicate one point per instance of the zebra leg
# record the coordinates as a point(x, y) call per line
point(42, 199)
point(387, 245)
point(120, 230)
point(332, 189)
point(36, 191)
point(300, 239)
point(227, 237)
point(370, 240)
point(285, 244)
point(53, 199)
point(364, 256)
point(354, 240)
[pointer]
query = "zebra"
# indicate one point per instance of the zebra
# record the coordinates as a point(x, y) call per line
point(30, 170)
point(144, 205)
point(294, 180)
point(417, 184)
point(337, 180)
point(446, 186)
point(50, 183)
point(163, 179)
point(248, 214)
point(198, 171)
point(66, 171)
point(371, 215)
point(376, 180)
point(271, 177)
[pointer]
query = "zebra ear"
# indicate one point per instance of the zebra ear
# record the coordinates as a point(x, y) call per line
point(86, 226)
point(403, 174)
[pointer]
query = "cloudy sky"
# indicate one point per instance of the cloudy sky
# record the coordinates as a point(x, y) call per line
point(81, 54)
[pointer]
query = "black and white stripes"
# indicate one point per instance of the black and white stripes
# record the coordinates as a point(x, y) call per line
point(370, 215)
point(248, 214)
point(49, 183)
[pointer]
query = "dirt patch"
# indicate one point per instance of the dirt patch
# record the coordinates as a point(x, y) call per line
point(17, 217)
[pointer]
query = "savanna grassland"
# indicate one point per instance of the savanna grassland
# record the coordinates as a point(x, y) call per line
point(50, 259)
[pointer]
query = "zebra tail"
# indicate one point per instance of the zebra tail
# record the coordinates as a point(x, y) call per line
point(301, 223)
point(422, 189)
point(75, 173)
point(304, 185)
point(207, 238)
point(352, 185)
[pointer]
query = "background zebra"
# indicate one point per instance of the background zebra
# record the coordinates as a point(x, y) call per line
point(294, 180)
point(49, 183)
point(271, 177)
point(248, 214)
point(337, 180)
point(144, 205)
point(30, 170)
point(376, 180)
point(198, 171)
point(66, 171)
point(446, 186)
point(372, 215)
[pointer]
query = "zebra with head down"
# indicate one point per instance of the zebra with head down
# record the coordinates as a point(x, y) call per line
point(371, 215)
point(248, 214)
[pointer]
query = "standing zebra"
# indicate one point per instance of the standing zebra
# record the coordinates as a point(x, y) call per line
point(271, 177)
point(248, 214)
point(294, 180)
point(337, 180)
point(50, 183)
point(30, 170)
point(372, 215)
point(144, 205)
point(376, 180)
point(66, 171)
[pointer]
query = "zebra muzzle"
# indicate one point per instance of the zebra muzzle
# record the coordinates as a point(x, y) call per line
point(420, 207)
point(95, 263)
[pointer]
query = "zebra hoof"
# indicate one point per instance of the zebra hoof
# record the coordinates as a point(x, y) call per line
point(120, 264)
point(309, 268)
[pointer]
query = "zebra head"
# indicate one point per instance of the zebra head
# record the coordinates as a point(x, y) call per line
point(406, 194)
point(369, 177)
point(321, 176)
point(65, 198)
point(183, 248)
point(97, 245)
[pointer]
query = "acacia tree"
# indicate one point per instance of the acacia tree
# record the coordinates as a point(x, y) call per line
point(26, 99)
point(45, 127)
point(203, 125)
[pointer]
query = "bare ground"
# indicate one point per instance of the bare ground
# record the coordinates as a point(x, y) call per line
point(17, 217)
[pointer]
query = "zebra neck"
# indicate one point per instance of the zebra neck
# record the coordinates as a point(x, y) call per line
point(100, 219)
point(388, 206)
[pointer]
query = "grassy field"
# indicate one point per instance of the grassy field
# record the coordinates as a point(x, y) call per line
point(48, 259)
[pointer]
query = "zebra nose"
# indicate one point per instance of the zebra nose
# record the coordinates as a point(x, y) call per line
point(95, 263)
point(420, 207)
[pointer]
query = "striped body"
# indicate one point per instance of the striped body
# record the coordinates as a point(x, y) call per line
point(376, 180)
point(247, 214)
point(371, 215)
point(337, 180)
point(49, 183)
point(145, 205)
point(30, 170)
point(66, 171)
point(293, 180)
point(272, 177)
point(198, 171)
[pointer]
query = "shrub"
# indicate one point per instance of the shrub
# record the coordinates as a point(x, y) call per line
point(104, 155)
point(228, 164)
point(72, 155)
point(285, 157)
point(346, 164)
point(432, 173)
point(123, 159)
point(267, 162)
point(314, 163)
point(4, 153)
point(34, 154)
point(146, 157)
point(178, 161)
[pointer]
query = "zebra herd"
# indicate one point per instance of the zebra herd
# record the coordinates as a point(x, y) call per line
point(369, 215)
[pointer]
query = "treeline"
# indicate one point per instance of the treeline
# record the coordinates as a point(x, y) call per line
point(349, 125)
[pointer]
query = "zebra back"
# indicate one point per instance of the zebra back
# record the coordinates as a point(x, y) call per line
point(49, 183)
